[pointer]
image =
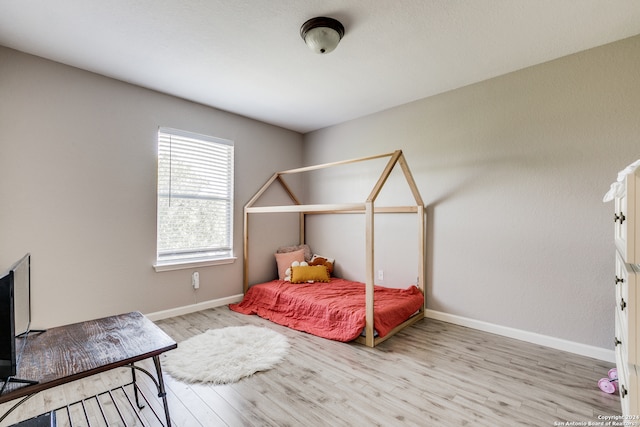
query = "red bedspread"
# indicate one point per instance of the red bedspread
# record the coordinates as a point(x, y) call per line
point(334, 310)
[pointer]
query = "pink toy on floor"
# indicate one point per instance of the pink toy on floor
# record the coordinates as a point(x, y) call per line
point(609, 384)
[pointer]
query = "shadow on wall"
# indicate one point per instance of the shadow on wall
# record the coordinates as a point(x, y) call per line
point(453, 181)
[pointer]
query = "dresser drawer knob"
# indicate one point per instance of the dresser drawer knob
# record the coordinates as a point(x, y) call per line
point(623, 304)
point(620, 218)
point(616, 341)
point(619, 280)
point(623, 391)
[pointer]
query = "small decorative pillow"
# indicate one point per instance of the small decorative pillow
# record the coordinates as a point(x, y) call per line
point(323, 260)
point(293, 248)
point(309, 273)
point(287, 274)
point(284, 260)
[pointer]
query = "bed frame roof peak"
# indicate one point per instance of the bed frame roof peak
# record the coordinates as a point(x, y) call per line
point(395, 157)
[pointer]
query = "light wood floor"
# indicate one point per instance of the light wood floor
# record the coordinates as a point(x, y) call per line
point(431, 374)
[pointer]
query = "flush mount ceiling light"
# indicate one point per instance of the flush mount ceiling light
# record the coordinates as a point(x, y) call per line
point(322, 34)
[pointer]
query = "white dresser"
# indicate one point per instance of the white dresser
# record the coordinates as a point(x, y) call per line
point(627, 281)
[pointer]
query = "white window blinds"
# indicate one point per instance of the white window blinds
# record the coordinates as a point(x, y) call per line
point(195, 197)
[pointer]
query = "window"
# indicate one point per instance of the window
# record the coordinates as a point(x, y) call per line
point(195, 200)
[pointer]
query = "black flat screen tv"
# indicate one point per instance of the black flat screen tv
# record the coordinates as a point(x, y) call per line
point(15, 315)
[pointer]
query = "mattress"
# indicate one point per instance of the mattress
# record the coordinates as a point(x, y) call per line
point(334, 310)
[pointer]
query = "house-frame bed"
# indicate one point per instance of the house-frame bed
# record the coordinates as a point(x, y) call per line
point(367, 208)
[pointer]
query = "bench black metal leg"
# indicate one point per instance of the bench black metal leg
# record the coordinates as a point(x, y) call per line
point(161, 391)
point(135, 387)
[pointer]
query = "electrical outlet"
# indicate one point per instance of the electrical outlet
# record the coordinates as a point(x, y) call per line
point(380, 275)
point(195, 280)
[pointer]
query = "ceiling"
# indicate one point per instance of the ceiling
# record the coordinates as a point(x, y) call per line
point(247, 56)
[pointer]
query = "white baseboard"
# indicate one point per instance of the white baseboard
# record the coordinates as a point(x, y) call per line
point(179, 311)
point(532, 337)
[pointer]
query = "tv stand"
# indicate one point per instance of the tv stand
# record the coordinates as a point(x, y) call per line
point(95, 346)
point(15, 380)
point(30, 331)
point(6, 381)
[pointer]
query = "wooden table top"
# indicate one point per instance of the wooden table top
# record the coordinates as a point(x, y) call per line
point(67, 353)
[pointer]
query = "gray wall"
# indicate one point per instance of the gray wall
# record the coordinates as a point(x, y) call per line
point(513, 171)
point(78, 189)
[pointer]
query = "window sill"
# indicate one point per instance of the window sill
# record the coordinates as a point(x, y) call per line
point(170, 266)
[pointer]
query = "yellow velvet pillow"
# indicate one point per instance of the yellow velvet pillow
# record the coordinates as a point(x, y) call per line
point(309, 273)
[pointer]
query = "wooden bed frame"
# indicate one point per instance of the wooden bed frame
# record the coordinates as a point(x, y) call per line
point(369, 210)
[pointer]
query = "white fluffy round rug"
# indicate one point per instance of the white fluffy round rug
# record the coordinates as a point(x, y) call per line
point(225, 355)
